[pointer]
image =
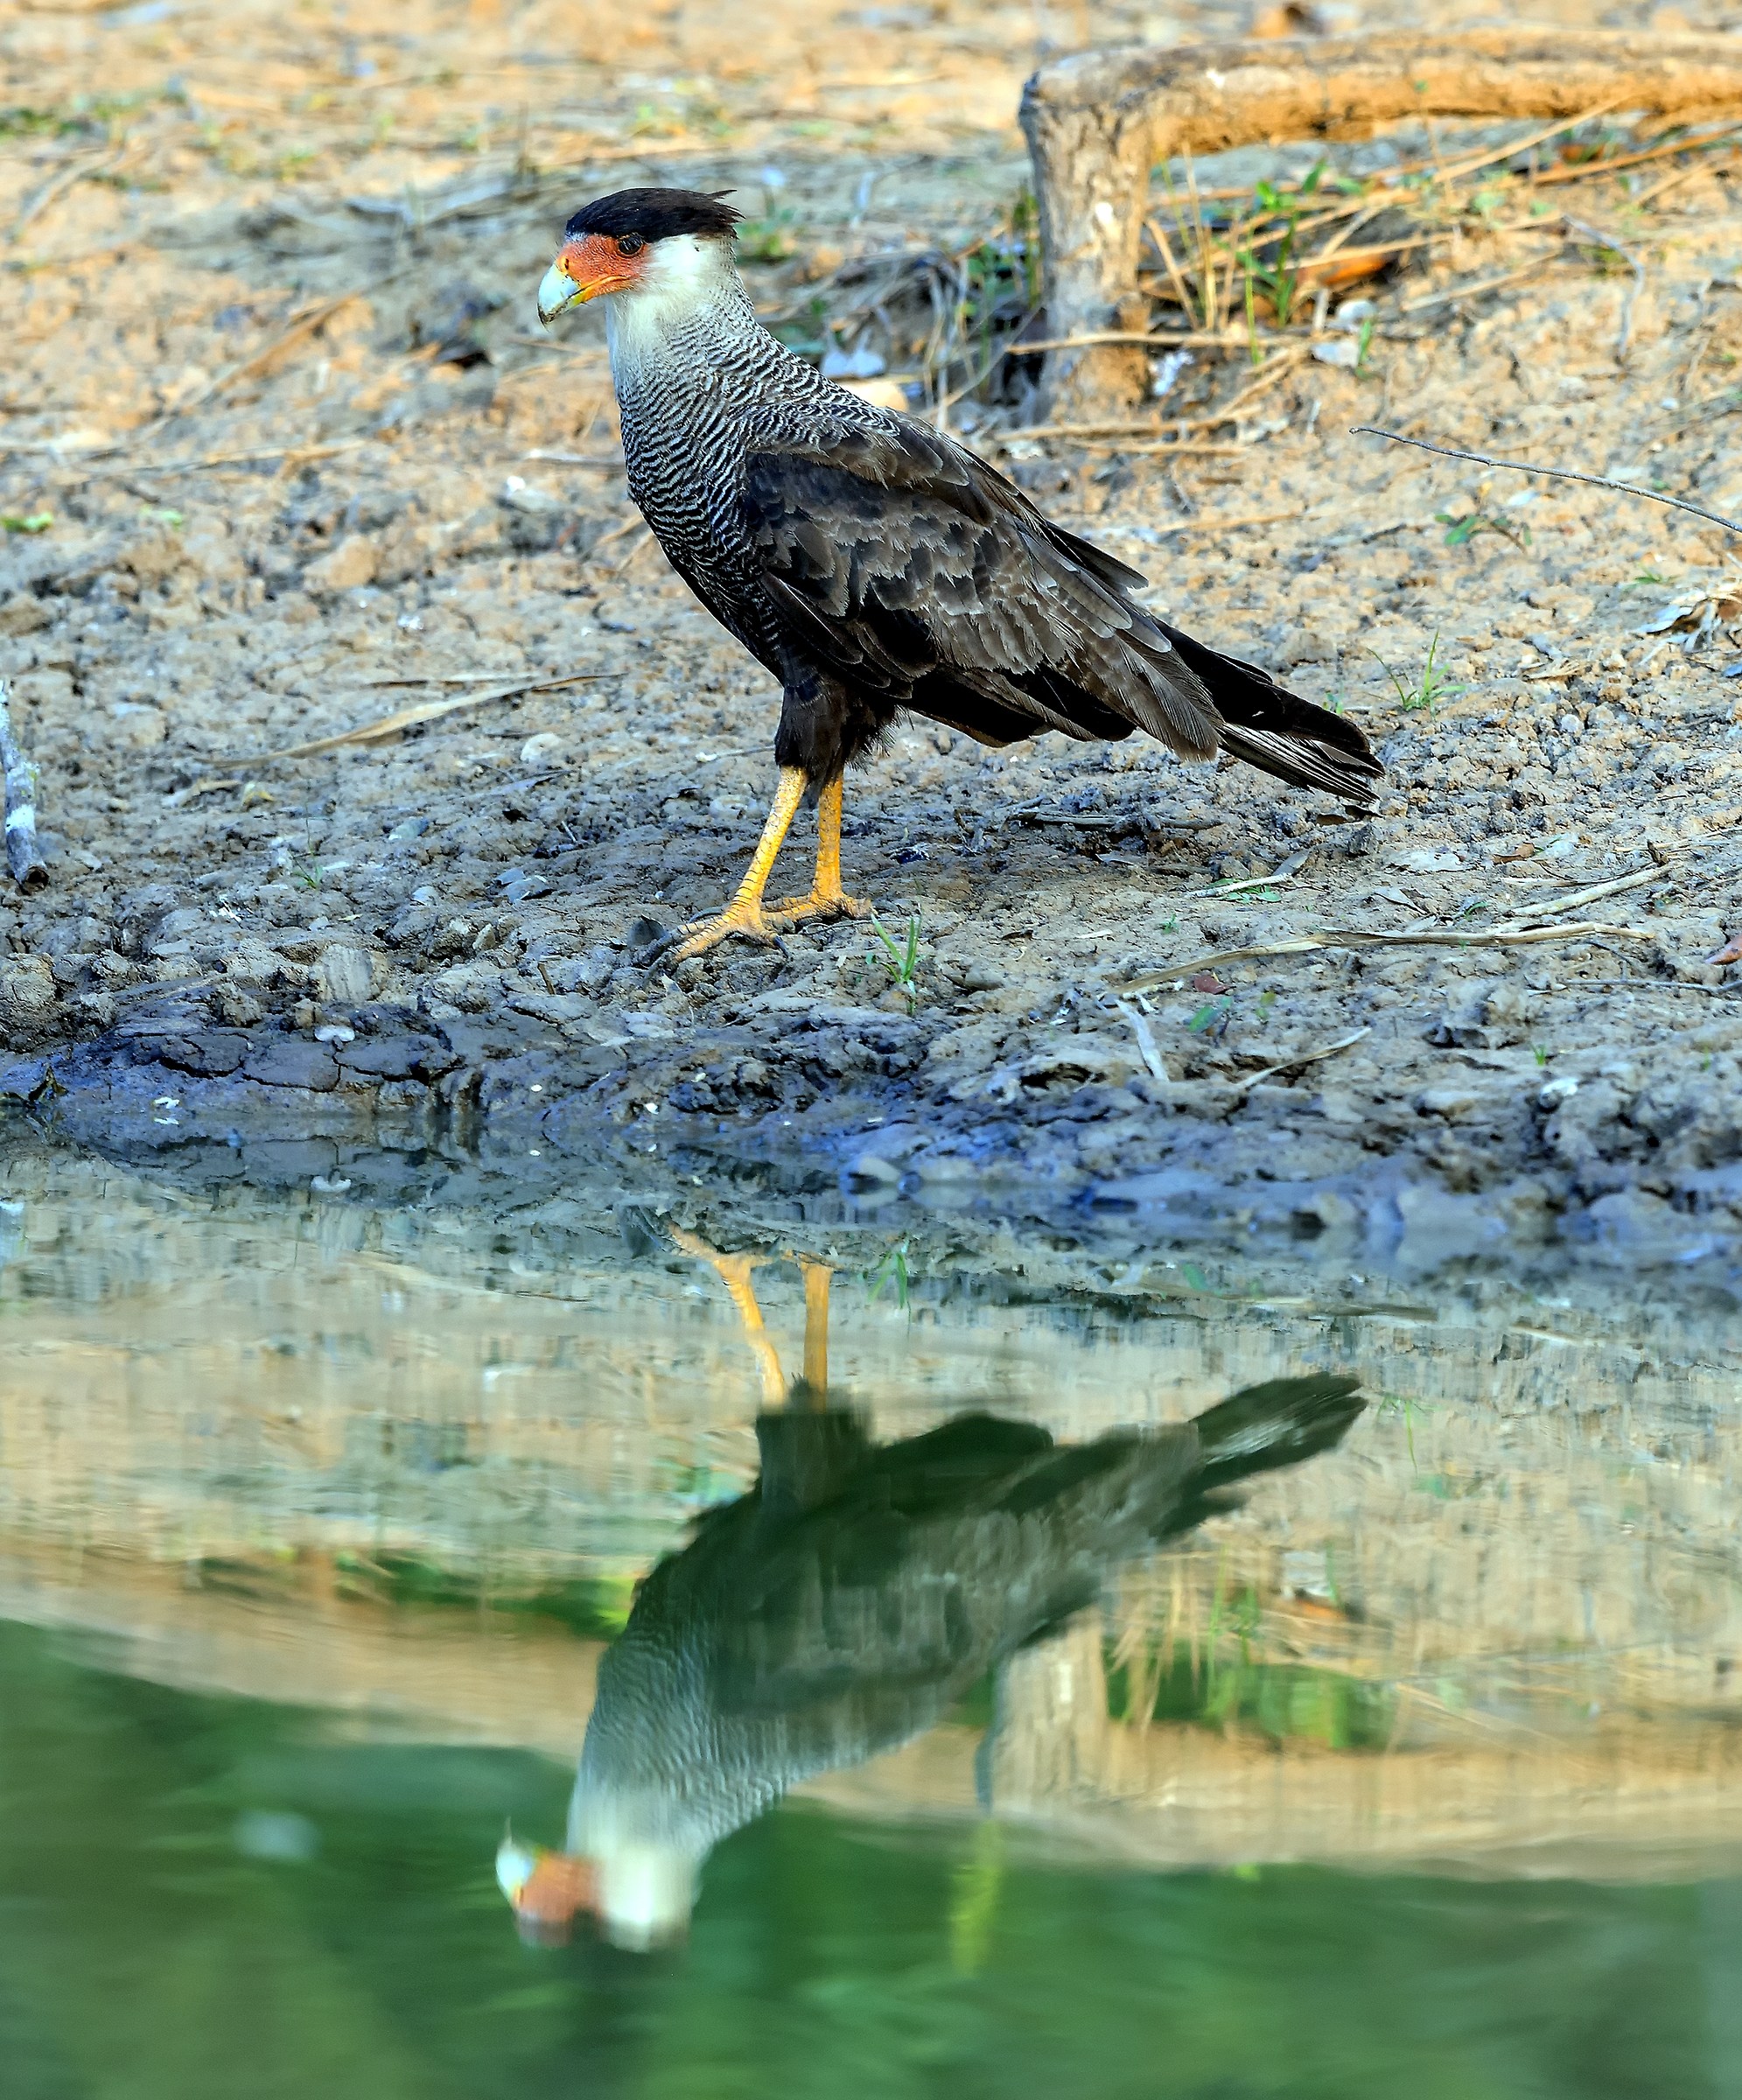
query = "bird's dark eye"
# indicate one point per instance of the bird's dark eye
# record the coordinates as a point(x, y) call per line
point(630, 244)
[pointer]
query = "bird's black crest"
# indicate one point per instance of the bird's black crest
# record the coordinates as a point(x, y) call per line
point(654, 214)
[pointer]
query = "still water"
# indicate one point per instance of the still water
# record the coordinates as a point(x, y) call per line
point(472, 1647)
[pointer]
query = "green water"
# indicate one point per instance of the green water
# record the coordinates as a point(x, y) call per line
point(1415, 1775)
point(144, 1954)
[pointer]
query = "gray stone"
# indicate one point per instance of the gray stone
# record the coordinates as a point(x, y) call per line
point(209, 1056)
point(27, 987)
point(347, 975)
point(869, 1168)
point(395, 1057)
point(289, 1061)
point(580, 973)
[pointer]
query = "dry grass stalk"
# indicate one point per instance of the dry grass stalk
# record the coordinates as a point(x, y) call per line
point(84, 168)
point(1498, 936)
point(1306, 1057)
point(301, 326)
point(1249, 517)
point(411, 717)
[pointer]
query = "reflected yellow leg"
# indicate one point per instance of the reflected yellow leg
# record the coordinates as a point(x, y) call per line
point(827, 898)
point(817, 1277)
point(745, 914)
point(734, 1270)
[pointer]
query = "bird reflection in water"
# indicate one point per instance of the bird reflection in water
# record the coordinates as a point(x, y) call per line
point(851, 1597)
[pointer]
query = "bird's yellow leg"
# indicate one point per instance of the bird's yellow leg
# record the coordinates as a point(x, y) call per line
point(827, 898)
point(745, 914)
point(734, 1270)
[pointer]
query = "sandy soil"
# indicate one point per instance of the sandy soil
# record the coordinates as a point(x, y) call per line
point(274, 381)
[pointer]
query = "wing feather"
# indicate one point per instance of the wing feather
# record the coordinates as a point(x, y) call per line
point(907, 565)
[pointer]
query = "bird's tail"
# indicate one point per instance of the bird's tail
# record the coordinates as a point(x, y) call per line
point(1307, 746)
point(1275, 1424)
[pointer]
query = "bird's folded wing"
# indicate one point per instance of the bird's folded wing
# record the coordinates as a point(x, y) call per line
point(901, 562)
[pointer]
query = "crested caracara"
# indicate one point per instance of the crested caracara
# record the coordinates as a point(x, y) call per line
point(871, 563)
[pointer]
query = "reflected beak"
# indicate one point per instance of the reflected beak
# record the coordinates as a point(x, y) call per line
point(545, 1888)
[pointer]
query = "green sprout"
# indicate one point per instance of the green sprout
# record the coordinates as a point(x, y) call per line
point(1433, 687)
point(1277, 276)
point(1460, 531)
point(902, 962)
point(1398, 1403)
point(773, 239)
point(890, 1274)
point(35, 521)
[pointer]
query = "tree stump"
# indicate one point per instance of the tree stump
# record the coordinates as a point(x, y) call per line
point(1098, 123)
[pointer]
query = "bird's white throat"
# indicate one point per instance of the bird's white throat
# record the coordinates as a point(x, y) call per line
point(687, 278)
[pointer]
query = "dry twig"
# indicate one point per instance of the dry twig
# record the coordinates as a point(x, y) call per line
point(1146, 1045)
point(301, 325)
point(1557, 473)
point(410, 718)
point(1615, 247)
point(1306, 1057)
point(1497, 936)
point(87, 167)
point(23, 855)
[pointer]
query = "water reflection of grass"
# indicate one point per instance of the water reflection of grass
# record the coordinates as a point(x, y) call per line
point(1287, 1702)
point(595, 1606)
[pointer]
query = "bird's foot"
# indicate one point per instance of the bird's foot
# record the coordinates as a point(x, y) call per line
point(743, 915)
point(819, 905)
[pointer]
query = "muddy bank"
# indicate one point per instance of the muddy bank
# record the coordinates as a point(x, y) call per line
point(837, 1118)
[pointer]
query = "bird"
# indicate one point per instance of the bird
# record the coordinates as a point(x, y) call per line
point(846, 1603)
point(874, 564)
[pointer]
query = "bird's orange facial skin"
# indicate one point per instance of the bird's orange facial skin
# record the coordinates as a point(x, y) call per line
point(558, 1886)
point(597, 266)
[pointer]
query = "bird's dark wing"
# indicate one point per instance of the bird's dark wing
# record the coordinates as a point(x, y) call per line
point(906, 566)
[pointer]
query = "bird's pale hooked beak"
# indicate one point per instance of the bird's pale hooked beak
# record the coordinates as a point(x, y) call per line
point(587, 269)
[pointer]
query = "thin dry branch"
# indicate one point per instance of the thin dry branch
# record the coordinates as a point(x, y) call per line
point(1306, 1057)
point(1557, 473)
point(1506, 936)
point(85, 168)
point(411, 717)
point(300, 326)
point(1607, 240)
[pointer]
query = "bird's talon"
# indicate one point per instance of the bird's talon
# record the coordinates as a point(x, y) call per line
point(656, 951)
point(749, 920)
